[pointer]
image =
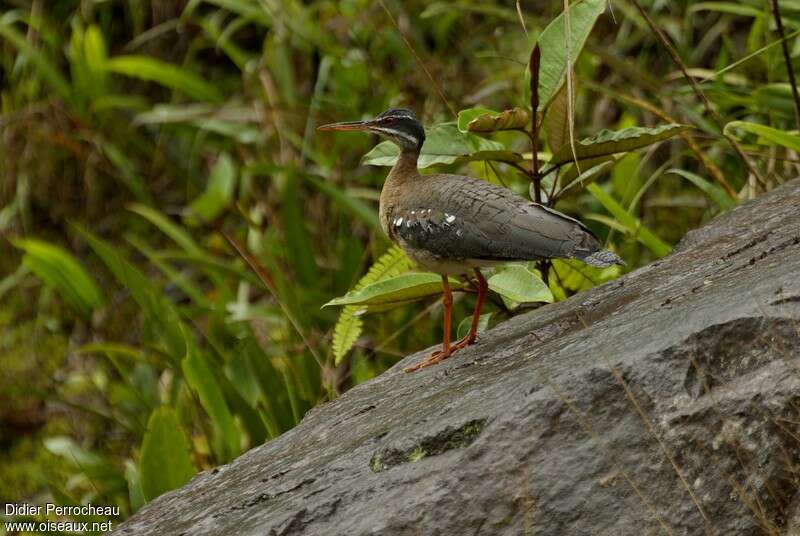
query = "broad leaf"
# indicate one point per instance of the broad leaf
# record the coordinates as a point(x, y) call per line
point(58, 269)
point(463, 327)
point(609, 142)
point(348, 327)
point(553, 43)
point(444, 144)
point(575, 276)
point(396, 290)
point(767, 135)
point(519, 285)
point(166, 462)
point(485, 120)
point(556, 122)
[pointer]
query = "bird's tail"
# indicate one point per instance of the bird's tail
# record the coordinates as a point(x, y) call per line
point(603, 258)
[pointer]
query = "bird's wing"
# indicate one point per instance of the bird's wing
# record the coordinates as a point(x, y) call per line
point(462, 218)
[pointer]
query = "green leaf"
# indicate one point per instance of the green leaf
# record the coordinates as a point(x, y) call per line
point(201, 378)
point(732, 8)
point(298, 241)
point(485, 120)
point(634, 226)
point(576, 276)
point(166, 74)
point(168, 227)
point(348, 327)
point(553, 43)
point(396, 290)
point(159, 312)
point(96, 467)
point(444, 144)
point(218, 194)
point(556, 122)
point(48, 71)
point(609, 142)
point(767, 135)
point(135, 494)
point(355, 206)
point(625, 178)
point(520, 285)
point(591, 169)
point(166, 461)
point(464, 325)
point(715, 192)
point(58, 269)
point(248, 9)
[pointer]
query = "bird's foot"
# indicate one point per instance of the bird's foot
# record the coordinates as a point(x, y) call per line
point(436, 357)
point(463, 343)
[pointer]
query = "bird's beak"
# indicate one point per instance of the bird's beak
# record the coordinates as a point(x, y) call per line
point(347, 125)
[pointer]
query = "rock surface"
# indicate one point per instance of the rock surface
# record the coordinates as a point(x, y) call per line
point(665, 402)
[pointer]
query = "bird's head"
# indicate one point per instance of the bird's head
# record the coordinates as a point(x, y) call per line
point(397, 125)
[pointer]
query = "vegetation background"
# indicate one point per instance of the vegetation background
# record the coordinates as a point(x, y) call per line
point(172, 224)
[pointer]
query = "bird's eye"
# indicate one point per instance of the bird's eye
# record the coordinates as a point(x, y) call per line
point(389, 120)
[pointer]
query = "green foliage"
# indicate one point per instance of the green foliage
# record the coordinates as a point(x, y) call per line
point(165, 462)
point(218, 194)
point(60, 270)
point(349, 326)
point(608, 142)
point(555, 42)
point(518, 284)
point(171, 76)
point(444, 144)
point(631, 224)
point(395, 291)
point(201, 379)
point(198, 118)
point(485, 120)
point(766, 135)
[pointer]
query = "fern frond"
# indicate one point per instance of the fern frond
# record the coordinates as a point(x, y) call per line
point(349, 326)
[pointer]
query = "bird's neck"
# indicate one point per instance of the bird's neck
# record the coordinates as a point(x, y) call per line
point(398, 186)
point(405, 169)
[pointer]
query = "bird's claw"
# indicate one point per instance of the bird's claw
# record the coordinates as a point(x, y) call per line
point(463, 343)
point(440, 355)
point(436, 357)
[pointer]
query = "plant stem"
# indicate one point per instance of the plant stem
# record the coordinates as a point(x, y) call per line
point(776, 10)
point(536, 56)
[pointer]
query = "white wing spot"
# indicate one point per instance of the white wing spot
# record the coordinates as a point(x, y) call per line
point(398, 222)
point(413, 212)
point(450, 218)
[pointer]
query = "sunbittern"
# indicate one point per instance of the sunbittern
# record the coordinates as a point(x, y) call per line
point(451, 224)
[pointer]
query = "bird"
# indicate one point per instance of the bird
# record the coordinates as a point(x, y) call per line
point(452, 225)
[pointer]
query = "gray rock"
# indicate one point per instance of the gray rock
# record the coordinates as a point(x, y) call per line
point(667, 401)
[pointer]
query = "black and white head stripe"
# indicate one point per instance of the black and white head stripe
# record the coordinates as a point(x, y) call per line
point(398, 112)
point(401, 126)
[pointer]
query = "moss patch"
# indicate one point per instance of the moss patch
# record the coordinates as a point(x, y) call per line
point(433, 445)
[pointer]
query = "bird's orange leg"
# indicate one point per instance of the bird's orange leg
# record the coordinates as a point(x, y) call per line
point(483, 289)
point(444, 353)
